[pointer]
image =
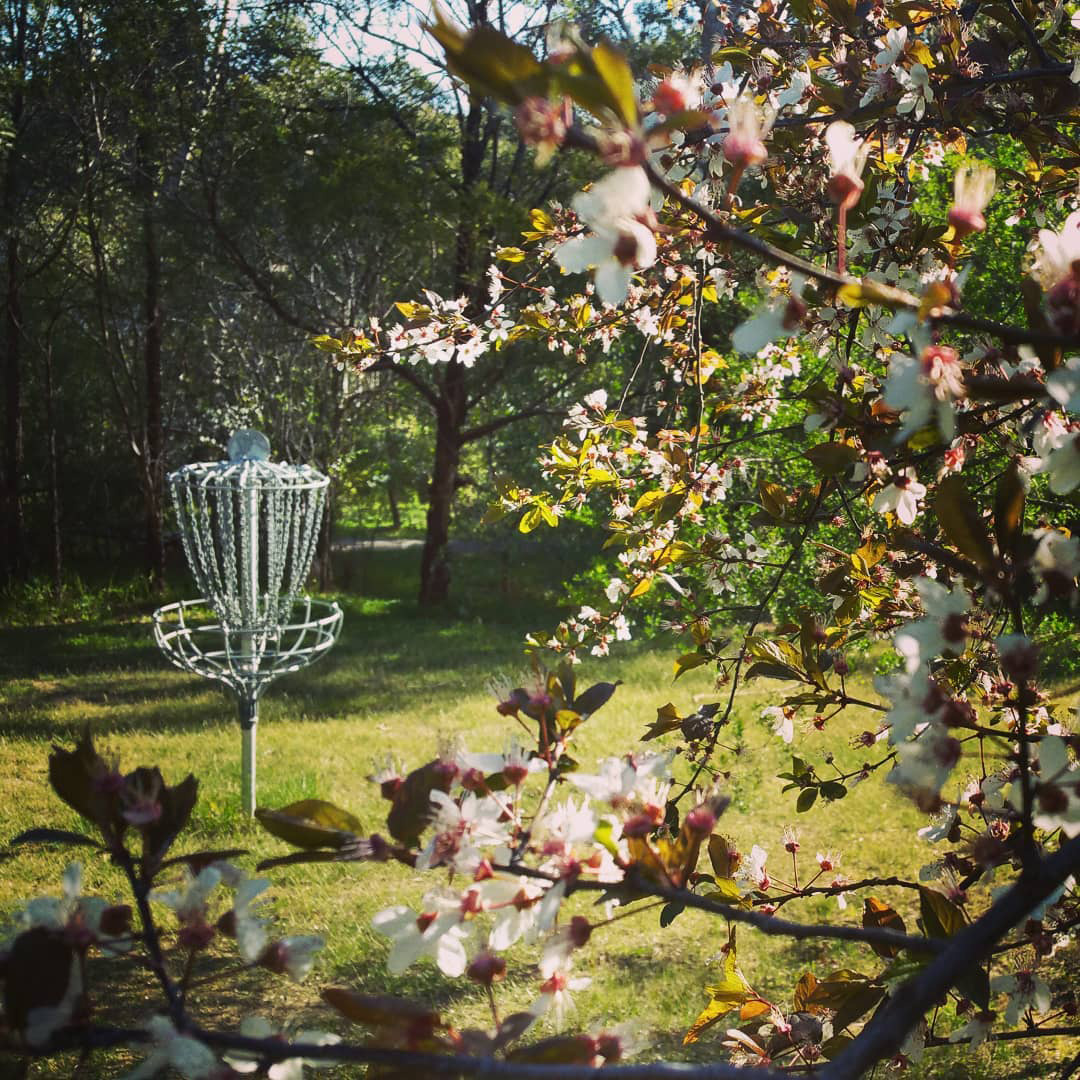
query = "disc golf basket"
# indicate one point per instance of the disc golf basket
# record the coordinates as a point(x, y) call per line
point(249, 528)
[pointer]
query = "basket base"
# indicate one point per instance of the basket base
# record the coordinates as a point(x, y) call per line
point(246, 661)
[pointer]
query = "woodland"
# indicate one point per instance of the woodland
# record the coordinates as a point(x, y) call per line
point(759, 324)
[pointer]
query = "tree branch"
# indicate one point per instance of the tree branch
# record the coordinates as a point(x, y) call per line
point(887, 1030)
point(406, 373)
point(717, 229)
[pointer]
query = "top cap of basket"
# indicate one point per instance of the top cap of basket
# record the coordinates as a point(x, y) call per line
point(248, 445)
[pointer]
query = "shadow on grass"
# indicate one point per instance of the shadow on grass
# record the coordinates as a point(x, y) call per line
point(389, 655)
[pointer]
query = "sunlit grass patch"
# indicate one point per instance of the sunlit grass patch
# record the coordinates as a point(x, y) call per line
point(393, 685)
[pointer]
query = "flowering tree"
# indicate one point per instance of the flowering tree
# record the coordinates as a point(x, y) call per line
point(932, 453)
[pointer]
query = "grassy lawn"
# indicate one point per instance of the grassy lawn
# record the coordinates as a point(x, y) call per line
point(394, 682)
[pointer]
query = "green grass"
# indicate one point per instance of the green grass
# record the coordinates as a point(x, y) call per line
point(394, 682)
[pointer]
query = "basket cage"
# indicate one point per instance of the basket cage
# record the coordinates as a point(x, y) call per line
point(249, 530)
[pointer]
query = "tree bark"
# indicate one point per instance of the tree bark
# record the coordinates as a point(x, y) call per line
point(57, 552)
point(449, 419)
point(14, 555)
point(13, 563)
point(324, 551)
point(392, 500)
point(451, 408)
point(154, 461)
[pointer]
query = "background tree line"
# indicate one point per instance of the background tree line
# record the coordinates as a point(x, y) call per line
point(190, 191)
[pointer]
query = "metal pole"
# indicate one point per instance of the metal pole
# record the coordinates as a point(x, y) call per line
point(249, 717)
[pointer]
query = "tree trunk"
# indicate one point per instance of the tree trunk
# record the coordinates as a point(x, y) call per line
point(14, 555)
point(13, 563)
point(392, 499)
point(451, 409)
point(324, 551)
point(154, 439)
point(434, 560)
point(57, 552)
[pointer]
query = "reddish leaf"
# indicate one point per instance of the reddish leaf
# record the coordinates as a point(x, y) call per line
point(76, 775)
point(382, 1010)
point(198, 860)
point(753, 1009)
point(411, 809)
point(877, 914)
point(804, 989)
point(1009, 510)
point(556, 1050)
point(177, 804)
point(961, 522)
point(596, 696)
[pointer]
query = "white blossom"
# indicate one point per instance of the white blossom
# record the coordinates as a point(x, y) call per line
point(901, 497)
point(258, 1027)
point(436, 932)
point(189, 1057)
point(1058, 252)
point(619, 243)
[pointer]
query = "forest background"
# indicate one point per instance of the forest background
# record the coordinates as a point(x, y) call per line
point(190, 193)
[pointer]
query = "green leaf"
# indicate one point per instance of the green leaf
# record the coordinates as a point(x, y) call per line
point(530, 519)
point(732, 54)
point(807, 798)
point(726, 891)
point(617, 77)
point(729, 993)
point(961, 522)
point(833, 790)
point(489, 62)
point(311, 823)
point(605, 837)
point(941, 918)
point(766, 670)
point(873, 292)
point(689, 661)
point(832, 458)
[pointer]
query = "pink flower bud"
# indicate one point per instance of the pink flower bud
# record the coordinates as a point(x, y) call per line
point(541, 122)
point(701, 820)
point(639, 825)
point(195, 936)
point(580, 931)
point(515, 774)
point(487, 968)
